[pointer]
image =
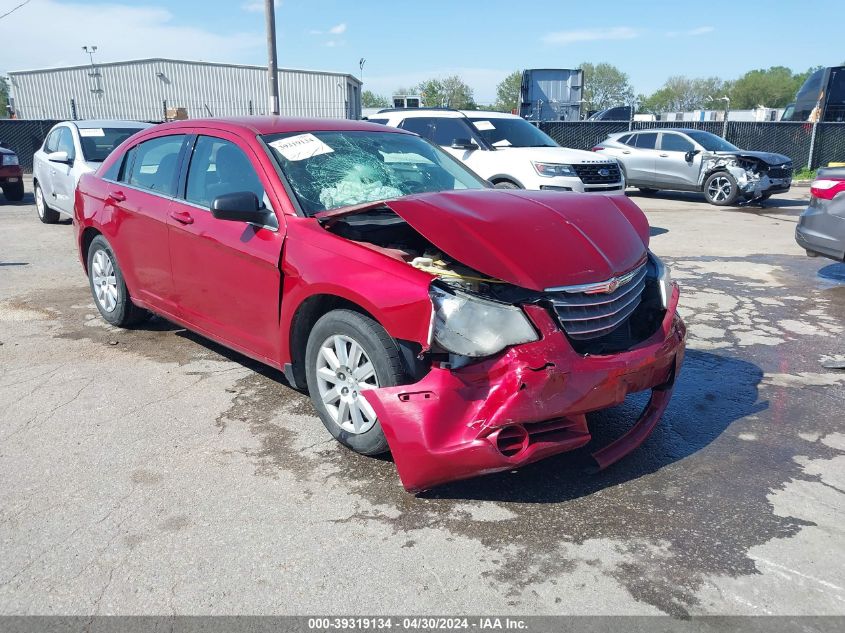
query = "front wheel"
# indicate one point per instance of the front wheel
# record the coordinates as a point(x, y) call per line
point(109, 288)
point(14, 192)
point(506, 184)
point(721, 189)
point(45, 213)
point(348, 353)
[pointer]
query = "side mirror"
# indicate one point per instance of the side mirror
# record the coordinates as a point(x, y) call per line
point(691, 154)
point(59, 157)
point(464, 143)
point(241, 206)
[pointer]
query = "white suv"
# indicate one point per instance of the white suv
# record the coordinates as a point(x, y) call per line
point(509, 151)
point(72, 148)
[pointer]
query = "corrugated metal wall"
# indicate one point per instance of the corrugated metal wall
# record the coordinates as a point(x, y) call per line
point(139, 90)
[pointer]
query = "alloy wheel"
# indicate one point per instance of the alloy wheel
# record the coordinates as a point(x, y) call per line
point(343, 371)
point(720, 189)
point(39, 201)
point(104, 280)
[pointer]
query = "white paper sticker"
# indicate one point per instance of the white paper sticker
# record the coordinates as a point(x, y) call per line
point(300, 147)
point(503, 143)
point(91, 131)
point(483, 125)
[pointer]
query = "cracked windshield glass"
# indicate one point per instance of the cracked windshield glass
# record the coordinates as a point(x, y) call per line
point(329, 170)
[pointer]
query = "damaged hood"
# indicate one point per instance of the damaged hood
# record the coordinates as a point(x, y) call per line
point(532, 239)
point(767, 157)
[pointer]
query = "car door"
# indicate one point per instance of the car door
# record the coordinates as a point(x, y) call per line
point(62, 182)
point(138, 203)
point(42, 168)
point(640, 159)
point(226, 273)
point(672, 169)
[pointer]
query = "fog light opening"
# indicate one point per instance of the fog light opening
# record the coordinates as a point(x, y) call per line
point(512, 440)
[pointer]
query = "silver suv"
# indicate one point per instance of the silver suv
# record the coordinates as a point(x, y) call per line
point(680, 159)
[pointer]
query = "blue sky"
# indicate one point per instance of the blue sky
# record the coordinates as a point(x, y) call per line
point(405, 42)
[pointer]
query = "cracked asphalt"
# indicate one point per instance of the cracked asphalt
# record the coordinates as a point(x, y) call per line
point(153, 472)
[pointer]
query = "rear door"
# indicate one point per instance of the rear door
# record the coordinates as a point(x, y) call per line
point(226, 274)
point(672, 169)
point(640, 160)
point(138, 204)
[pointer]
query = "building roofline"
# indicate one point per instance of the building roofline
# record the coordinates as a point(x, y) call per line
point(178, 61)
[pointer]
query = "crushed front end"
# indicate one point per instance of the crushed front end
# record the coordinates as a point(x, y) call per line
point(585, 348)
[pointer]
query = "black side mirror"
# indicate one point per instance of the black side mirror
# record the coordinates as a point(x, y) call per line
point(464, 143)
point(241, 206)
point(691, 154)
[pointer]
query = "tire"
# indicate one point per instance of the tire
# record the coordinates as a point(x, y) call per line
point(648, 191)
point(45, 213)
point(109, 288)
point(337, 332)
point(766, 196)
point(721, 189)
point(13, 193)
point(505, 184)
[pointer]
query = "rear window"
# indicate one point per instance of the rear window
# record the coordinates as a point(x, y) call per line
point(439, 130)
point(624, 139)
point(647, 140)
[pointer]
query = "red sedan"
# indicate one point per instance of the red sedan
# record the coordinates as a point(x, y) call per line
point(465, 329)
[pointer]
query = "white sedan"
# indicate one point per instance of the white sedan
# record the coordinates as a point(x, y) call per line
point(73, 148)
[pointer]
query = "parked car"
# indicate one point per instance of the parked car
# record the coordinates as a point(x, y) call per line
point(616, 113)
point(70, 149)
point(821, 228)
point(509, 151)
point(679, 159)
point(465, 329)
point(11, 176)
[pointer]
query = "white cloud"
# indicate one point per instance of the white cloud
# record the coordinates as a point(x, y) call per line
point(701, 30)
point(563, 38)
point(120, 31)
point(257, 6)
point(337, 29)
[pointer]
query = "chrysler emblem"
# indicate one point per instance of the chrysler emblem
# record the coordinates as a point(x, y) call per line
point(613, 284)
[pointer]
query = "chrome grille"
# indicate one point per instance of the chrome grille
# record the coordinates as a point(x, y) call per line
point(598, 173)
point(588, 312)
point(781, 171)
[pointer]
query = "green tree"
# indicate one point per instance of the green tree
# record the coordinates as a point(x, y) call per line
point(681, 94)
point(449, 92)
point(507, 92)
point(771, 87)
point(4, 98)
point(605, 86)
point(369, 99)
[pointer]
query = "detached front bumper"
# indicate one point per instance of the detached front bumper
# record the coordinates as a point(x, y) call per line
point(524, 405)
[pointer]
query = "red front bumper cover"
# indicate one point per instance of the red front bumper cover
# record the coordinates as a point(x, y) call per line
point(523, 405)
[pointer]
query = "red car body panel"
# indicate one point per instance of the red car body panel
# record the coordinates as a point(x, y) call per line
point(244, 286)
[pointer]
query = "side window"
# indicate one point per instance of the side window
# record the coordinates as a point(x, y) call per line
point(380, 121)
point(52, 141)
point(647, 140)
point(441, 131)
point(424, 126)
point(219, 167)
point(631, 140)
point(156, 164)
point(65, 142)
point(624, 139)
point(675, 143)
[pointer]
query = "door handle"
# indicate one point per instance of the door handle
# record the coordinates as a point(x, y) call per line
point(182, 217)
point(117, 196)
point(664, 155)
point(626, 151)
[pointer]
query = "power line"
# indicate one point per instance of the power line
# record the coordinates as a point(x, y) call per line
point(11, 11)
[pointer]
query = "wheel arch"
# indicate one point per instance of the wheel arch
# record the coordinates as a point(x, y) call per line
point(497, 178)
point(88, 235)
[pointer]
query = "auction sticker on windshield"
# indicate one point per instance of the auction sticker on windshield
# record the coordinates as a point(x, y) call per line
point(482, 126)
point(91, 131)
point(300, 147)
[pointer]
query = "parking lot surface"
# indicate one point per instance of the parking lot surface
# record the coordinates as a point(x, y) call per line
point(153, 472)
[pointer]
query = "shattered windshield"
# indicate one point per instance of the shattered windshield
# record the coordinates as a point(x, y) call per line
point(329, 170)
point(711, 142)
point(507, 132)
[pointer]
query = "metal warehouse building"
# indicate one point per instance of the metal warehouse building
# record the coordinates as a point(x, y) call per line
point(145, 89)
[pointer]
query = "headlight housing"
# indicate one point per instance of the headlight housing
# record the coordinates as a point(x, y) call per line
point(470, 326)
point(9, 159)
point(664, 279)
point(551, 170)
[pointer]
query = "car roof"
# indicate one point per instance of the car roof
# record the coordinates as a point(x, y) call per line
point(445, 113)
point(116, 123)
point(279, 125)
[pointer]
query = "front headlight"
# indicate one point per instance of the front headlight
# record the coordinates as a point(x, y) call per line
point(10, 159)
point(554, 169)
point(664, 280)
point(471, 326)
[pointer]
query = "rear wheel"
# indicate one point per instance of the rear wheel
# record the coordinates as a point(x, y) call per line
point(13, 192)
point(109, 288)
point(721, 189)
point(45, 213)
point(348, 353)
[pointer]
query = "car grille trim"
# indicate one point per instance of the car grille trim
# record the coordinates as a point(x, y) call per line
point(589, 173)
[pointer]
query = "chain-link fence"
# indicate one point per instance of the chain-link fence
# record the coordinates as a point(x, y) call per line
point(795, 140)
point(24, 138)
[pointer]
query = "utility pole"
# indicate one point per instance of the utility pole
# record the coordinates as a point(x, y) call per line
point(272, 61)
